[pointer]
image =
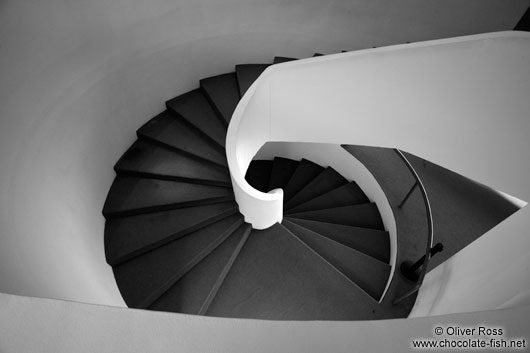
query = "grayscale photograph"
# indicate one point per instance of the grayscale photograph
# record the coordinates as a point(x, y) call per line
point(242, 176)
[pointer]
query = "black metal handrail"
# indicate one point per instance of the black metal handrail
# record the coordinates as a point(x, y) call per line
point(430, 234)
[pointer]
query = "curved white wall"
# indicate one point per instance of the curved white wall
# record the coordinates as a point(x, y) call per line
point(53, 326)
point(78, 77)
point(461, 103)
point(490, 273)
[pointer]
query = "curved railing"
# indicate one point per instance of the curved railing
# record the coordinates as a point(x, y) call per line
point(424, 261)
point(434, 99)
point(393, 97)
point(243, 140)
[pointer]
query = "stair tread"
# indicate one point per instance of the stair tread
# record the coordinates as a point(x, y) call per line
point(195, 109)
point(247, 229)
point(130, 236)
point(282, 170)
point(223, 93)
point(172, 131)
point(363, 215)
point(131, 195)
point(373, 242)
point(150, 160)
point(282, 59)
point(348, 194)
point(367, 272)
point(190, 292)
point(304, 173)
point(258, 174)
point(326, 181)
point(144, 278)
point(247, 74)
point(276, 276)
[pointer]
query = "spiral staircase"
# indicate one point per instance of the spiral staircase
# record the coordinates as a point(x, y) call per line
point(177, 242)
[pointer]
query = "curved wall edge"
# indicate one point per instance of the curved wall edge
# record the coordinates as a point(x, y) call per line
point(452, 123)
point(32, 324)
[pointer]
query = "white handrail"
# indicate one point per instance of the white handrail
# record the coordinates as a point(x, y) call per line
point(452, 101)
point(247, 133)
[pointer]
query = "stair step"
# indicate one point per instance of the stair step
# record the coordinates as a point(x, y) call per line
point(148, 160)
point(195, 109)
point(128, 237)
point(282, 171)
point(372, 242)
point(166, 128)
point(143, 279)
point(130, 195)
point(226, 269)
point(387, 168)
point(367, 272)
point(348, 194)
point(364, 215)
point(326, 181)
point(304, 173)
point(190, 293)
point(223, 93)
point(247, 74)
point(278, 277)
point(282, 59)
point(258, 174)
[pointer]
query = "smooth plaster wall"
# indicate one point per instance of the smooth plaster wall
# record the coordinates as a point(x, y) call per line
point(78, 77)
point(492, 272)
point(41, 325)
point(460, 102)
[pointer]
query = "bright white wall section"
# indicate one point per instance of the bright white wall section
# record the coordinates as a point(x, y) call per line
point(492, 272)
point(78, 77)
point(461, 103)
point(41, 325)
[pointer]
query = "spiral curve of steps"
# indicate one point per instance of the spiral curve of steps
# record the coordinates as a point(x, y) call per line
point(177, 242)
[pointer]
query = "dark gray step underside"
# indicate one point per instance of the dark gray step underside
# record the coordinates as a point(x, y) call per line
point(247, 74)
point(282, 59)
point(282, 171)
point(223, 93)
point(326, 181)
point(195, 109)
point(363, 215)
point(247, 229)
point(169, 129)
point(130, 195)
point(367, 272)
point(190, 293)
point(128, 237)
point(348, 194)
point(375, 243)
point(304, 173)
point(277, 277)
point(143, 279)
point(258, 174)
point(145, 159)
